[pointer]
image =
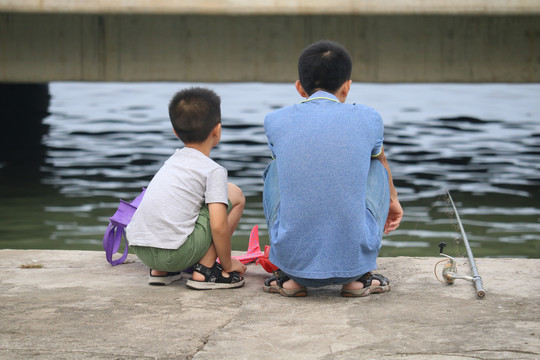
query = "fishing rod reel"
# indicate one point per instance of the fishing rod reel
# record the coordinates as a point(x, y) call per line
point(450, 268)
point(449, 272)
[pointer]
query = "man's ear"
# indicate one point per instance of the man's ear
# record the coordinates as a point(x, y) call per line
point(300, 89)
point(346, 87)
point(343, 91)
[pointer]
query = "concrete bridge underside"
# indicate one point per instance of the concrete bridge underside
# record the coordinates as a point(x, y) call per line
point(42, 47)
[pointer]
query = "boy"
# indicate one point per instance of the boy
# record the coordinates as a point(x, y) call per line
point(189, 211)
point(328, 195)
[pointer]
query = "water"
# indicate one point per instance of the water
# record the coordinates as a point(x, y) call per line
point(106, 140)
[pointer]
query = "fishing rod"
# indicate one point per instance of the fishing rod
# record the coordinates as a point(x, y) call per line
point(450, 268)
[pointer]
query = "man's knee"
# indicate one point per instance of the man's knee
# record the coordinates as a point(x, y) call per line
point(377, 166)
point(377, 172)
point(270, 172)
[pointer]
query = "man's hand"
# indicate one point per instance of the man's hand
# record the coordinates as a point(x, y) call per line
point(395, 213)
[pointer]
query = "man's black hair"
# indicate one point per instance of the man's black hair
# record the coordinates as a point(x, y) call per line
point(325, 65)
point(194, 113)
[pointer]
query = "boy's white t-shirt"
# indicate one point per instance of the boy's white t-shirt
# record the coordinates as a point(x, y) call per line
point(172, 202)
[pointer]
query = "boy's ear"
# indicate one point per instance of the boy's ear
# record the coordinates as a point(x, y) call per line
point(300, 89)
point(217, 130)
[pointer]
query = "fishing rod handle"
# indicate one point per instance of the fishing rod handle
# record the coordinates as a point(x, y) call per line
point(480, 292)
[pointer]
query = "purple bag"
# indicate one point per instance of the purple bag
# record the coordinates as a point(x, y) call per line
point(117, 229)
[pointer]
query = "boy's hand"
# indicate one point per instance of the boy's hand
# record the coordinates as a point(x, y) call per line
point(395, 213)
point(236, 265)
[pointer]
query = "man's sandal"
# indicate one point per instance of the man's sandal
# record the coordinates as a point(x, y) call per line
point(214, 279)
point(369, 287)
point(280, 278)
point(164, 279)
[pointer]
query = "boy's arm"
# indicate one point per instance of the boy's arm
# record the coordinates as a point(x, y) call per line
point(395, 213)
point(221, 237)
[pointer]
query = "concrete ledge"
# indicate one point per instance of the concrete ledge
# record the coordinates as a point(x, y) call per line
point(78, 306)
point(278, 7)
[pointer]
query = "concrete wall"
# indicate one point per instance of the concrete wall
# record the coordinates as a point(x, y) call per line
point(275, 7)
point(418, 47)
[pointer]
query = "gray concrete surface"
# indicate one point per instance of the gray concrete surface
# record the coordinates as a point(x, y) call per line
point(79, 307)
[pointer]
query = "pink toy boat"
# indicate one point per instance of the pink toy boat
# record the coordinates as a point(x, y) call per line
point(254, 249)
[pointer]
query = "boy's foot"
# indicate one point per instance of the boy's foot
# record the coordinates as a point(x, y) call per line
point(163, 277)
point(367, 284)
point(214, 278)
point(280, 283)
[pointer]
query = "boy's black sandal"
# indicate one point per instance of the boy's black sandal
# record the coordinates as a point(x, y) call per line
point(167, 279)
point(214, 279)
point(280, 278)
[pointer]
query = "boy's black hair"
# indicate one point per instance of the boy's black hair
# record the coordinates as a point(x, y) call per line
point(324, 65)
point(194, 113)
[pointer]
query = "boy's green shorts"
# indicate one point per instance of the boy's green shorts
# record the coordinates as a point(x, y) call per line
point(187, 255)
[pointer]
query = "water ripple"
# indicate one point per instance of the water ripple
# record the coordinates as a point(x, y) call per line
point(106, 141)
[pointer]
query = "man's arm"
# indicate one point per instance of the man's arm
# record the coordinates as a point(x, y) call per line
point(395, 213)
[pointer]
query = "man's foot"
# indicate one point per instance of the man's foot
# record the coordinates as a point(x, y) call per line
point(367, 284)
point(280, 283)
point(163, 277)
point(213, 278)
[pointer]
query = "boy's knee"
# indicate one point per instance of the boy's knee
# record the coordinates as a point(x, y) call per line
point(236, 195)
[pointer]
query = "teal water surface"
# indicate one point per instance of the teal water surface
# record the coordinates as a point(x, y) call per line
point(106, 140)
